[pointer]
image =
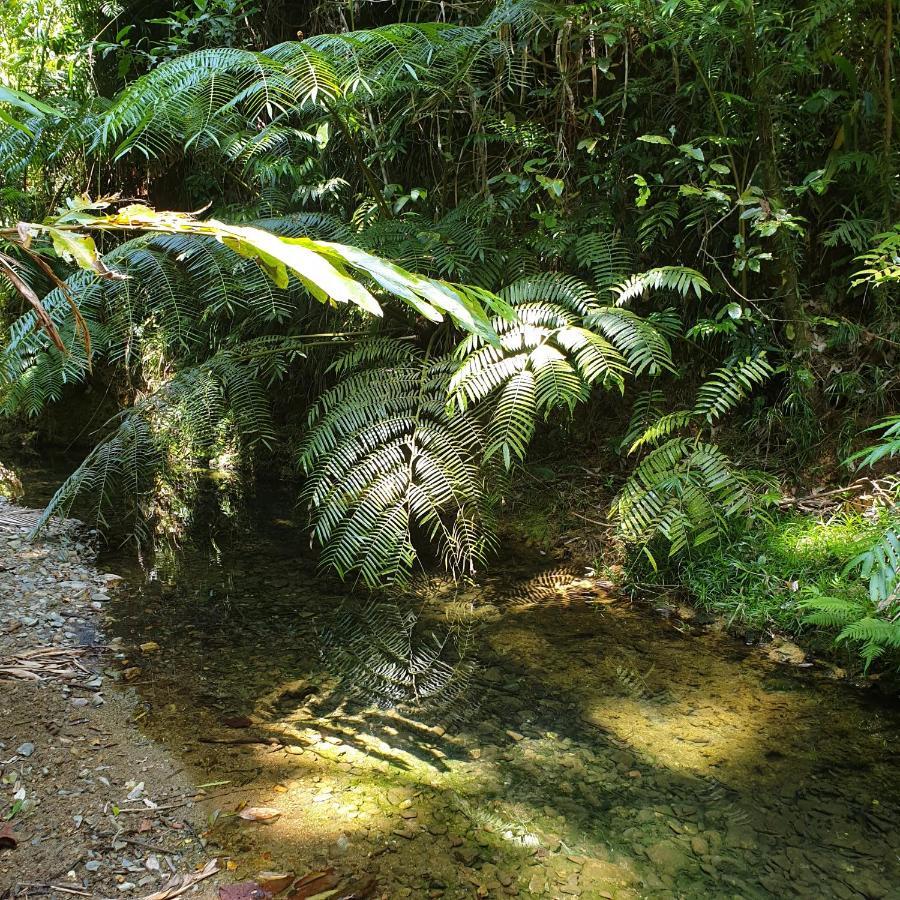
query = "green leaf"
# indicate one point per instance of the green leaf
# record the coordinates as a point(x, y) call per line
point(21, 100)
point(80, 249)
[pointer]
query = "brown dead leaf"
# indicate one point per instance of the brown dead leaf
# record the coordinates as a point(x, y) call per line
point(274, 882)
point(245, 890)
point(176, 886)
point(9, 840)
point(145, 826)
point(260, 814)
point(315, 883)
point(237, 722)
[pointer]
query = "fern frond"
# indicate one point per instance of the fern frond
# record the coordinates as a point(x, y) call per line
point(388, 460)
point(663, 427)
point(607, 257)
point(646, 409)
point(680, 279)
point(548, 357)
point(639, 340)
point(831, 612)
point(684, 491)
point(729, 385)
point(880, 564)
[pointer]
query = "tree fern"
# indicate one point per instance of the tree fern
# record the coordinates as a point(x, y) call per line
point(391, 467)
point(200, 99)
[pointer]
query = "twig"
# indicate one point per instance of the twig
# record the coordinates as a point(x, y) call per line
point(155, 847)
point(55, 887)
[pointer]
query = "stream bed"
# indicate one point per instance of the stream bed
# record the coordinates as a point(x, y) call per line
point(527, 736)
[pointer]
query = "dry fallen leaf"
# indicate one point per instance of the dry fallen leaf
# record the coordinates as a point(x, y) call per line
point(176, 886)
point(315, 883)
point(275, 882)
point(9, 840)
point(260, 814)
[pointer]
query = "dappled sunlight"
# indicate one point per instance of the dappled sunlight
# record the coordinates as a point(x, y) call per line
point(585, 749)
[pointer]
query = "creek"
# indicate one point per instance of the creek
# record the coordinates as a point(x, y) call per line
point(529, 735)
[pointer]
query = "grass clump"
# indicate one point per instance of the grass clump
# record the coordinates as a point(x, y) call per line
point(760, 579)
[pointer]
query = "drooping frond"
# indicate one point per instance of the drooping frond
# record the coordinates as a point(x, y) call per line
point(663, 427)
point(729, 385)
point(390, 466)
point(219, 400)
point(684, 491)
point(641, 341)
point(561, 343)
point(680, 279)
point(119, 470)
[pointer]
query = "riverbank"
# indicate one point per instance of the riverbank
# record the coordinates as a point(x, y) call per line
point(754, 584)
point(90, 806)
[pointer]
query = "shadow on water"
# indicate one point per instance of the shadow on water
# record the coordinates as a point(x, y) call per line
point(527, 736)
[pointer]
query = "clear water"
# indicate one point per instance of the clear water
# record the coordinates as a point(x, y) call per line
point(527, 736)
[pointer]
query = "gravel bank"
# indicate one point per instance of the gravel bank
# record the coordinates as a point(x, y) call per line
point(88, 805)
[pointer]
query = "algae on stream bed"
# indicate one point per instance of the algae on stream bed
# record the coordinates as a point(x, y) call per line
point(591, 749)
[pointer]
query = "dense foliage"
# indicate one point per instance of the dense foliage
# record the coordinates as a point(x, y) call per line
point(669, 223)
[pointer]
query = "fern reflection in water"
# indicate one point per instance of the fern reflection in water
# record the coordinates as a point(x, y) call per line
point(385, 656)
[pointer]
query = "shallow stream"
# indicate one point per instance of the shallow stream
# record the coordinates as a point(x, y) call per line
point(529, 736)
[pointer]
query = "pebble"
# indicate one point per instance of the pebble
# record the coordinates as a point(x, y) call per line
point(25, 749)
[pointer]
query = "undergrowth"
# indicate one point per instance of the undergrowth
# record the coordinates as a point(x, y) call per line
point(760, 580)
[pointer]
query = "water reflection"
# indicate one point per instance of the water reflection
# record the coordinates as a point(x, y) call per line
point(386, 656)
point(612, 753)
